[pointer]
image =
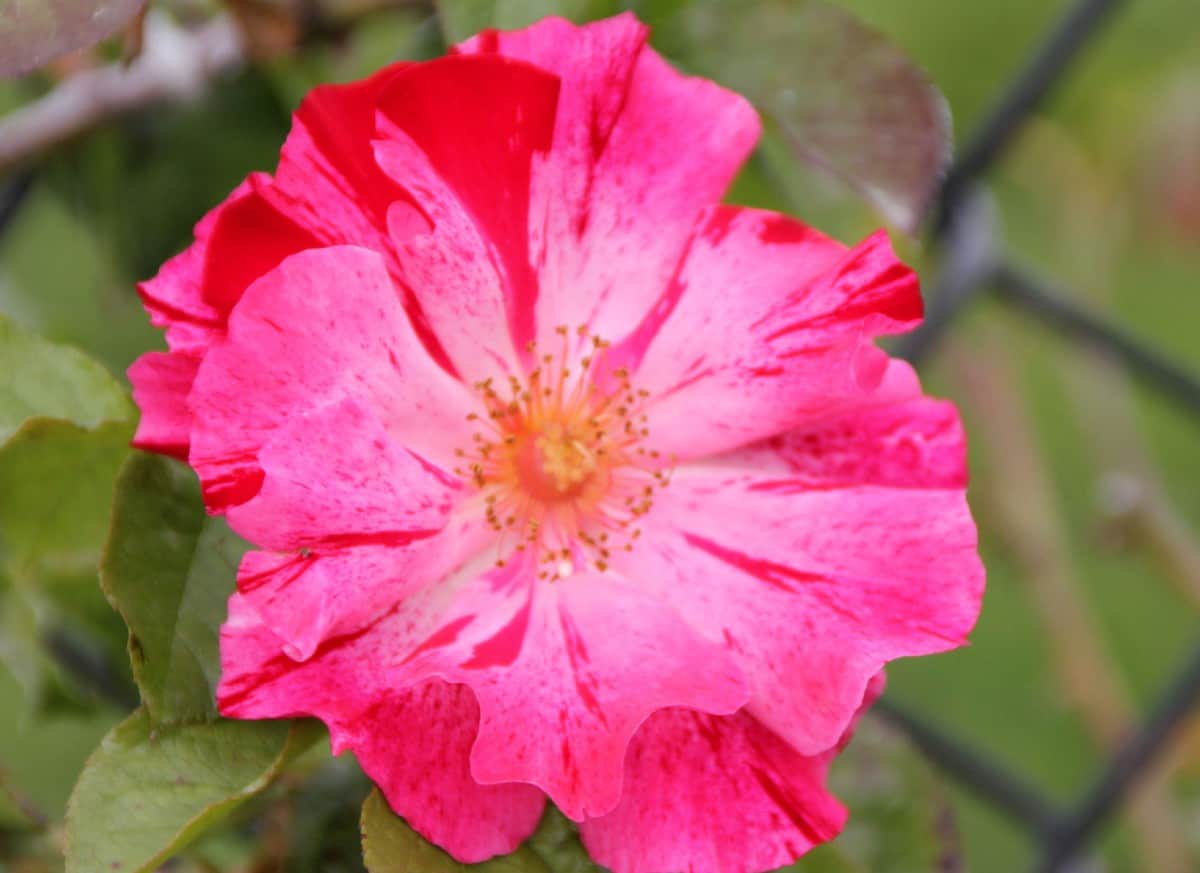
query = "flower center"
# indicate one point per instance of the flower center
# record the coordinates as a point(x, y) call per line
point(557, 464)
point(560, 463)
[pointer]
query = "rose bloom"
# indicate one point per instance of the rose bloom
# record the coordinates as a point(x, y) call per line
point(565, 480)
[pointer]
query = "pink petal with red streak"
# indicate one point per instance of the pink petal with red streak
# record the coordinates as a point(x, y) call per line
point(462, 248)
point(639, 150)
point(237, 242)
point(414, 742)
point(708, 792)
point(355, 523)
point(327, 178)
point(795, 313)
point(817, 561)
point(894, 436)
point(561, 692)
point(324, 325)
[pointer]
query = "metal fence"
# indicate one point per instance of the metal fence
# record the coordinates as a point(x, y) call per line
point(972, 266)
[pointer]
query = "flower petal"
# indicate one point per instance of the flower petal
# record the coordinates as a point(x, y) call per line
point(822, 567)
point(639, 150)
point(324, 325)
point(161, 382)
point(463, 248)
point(795, 341)
point(236, 243)
point(334, 476)
point(560, 692)
point(710, 792)
point(329, 182)
point(191, 296)
point(327, 178)
point(425, 737)
point(355, 521)
point(894, 436)
point(413, 742)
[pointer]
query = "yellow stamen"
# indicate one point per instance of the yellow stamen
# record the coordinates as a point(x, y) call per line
point(558, 460)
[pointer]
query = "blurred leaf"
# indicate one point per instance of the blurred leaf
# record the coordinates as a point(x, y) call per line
point(56, 477)
point(56, 480)
point(147, 792)
point(59, 277)
point(556, 841)
point(19, 648)
point(41, 378)
point(64, 668)
point(773, 179)
point(391, 846)
point(849, 101)
point(41, 754)
point(33, 32)
point(168, 569)
point(899, 817)
point(323, 835)
point(464, 18)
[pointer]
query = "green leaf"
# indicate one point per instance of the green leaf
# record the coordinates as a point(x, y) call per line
point(147, 792)
point(464, 18)
point(169, 570)
point(391, 846)
point(849, 101)
point(33, 32)
point(900, 819)
point(43, 379)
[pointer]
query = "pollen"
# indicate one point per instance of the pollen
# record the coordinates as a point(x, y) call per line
point(559, 458)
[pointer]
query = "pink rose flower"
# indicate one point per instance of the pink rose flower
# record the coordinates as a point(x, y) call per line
point(565, 479)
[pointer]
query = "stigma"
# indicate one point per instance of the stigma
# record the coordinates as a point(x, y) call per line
point(559, 459)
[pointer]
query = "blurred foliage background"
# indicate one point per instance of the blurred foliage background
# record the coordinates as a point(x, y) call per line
point(1086, 485)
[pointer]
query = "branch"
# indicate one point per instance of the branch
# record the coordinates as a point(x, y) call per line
point(988, 779)
point(1056, 309)
point(1140, 513)
point(12, 196)
point(176, 65)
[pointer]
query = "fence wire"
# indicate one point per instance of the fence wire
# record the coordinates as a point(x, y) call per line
point(973, 265)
